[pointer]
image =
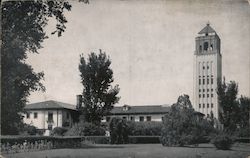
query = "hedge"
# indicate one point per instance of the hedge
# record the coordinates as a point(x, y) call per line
point(76, 139)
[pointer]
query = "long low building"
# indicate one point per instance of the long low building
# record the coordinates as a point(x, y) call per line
point(50, 114)
point(139, 113)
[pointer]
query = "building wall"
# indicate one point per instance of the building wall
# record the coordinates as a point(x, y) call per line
point(59, 117)
point(207, 70)
point(136, 118)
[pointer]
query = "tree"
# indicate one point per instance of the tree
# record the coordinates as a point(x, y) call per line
point(98, 95)
point(229, 112)
point(118, 131)
point(183, 126)
point(23, 24)
point(244, 105)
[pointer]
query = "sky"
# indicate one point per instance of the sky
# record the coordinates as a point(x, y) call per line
point(151, 45)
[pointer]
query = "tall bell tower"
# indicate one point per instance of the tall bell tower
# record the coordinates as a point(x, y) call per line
point(207, 71)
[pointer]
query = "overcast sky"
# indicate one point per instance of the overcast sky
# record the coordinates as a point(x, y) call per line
point(151, 45)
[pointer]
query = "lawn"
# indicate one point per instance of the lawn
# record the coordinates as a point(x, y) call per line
point(140, 151)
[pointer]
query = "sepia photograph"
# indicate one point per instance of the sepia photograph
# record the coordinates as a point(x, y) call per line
point(125, 79)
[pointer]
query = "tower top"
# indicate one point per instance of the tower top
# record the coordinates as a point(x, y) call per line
point(207, 29)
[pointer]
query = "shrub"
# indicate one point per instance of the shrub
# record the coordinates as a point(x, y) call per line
point(183, 126)
point(27, 129)
point(145, 128)
point(118, 131)
point(58, 131)
point(222, 141)
point(86, 129)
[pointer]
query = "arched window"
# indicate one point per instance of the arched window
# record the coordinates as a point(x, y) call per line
point(205, 46)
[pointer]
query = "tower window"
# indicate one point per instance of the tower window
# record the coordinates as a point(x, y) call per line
point(203, 67)
point(203, 81)
point(212, 105)
point(199, 96)
point(212, 95)
point(212, 81)
point(203, 95)
point(212, 90)
point(199, 105)
point(203, 90)
point(207, 67)
point(203, 105)
point(207, 105)
point(208, 90)
point(211, 47)
point(207, 81)
point(199, 90)
point(199, 81)
point(207, 95)
point(205, 46)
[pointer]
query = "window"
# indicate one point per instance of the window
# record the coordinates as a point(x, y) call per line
point(212, 95)
point(35, 115)
point(107, 119)
point(207, 90)
point(148, 118)
point(199, 95)
point(199, 90)
point(199, 105)
point(67, 115)
point(203, 95)
point(203, 90)
point(207, 81)
point(199, 81)
point(203, 81)
point(212, 90)
point(207, 105)
point(207, 67)
point(212, 81)
point(141, 118)
point(203, 67)
point(212, 105)
point(203, 105)
point(49, 126)
point(132, 118)
point(207, 95)
point(28, 115)
point(50, 117)
point(124, 118)
point(205, 46)
point(211, 47)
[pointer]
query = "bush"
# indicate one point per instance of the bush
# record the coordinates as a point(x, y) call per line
point(145, 128)
point(183, 126)
point(222, 141)
point(86, 129)
point(27, 129)
point(58, 131)
point(118, 131)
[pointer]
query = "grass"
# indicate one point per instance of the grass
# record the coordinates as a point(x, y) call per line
point(140, 151)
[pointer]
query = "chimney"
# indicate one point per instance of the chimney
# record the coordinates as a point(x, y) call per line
point(78, 101)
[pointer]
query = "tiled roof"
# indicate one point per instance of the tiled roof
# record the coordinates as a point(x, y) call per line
point(207, 29)
point(145, 109)
point(51, 104)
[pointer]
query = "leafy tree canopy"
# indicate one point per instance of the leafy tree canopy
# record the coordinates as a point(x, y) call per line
point(23, 24)
point(183, 126)
point(98, 95)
